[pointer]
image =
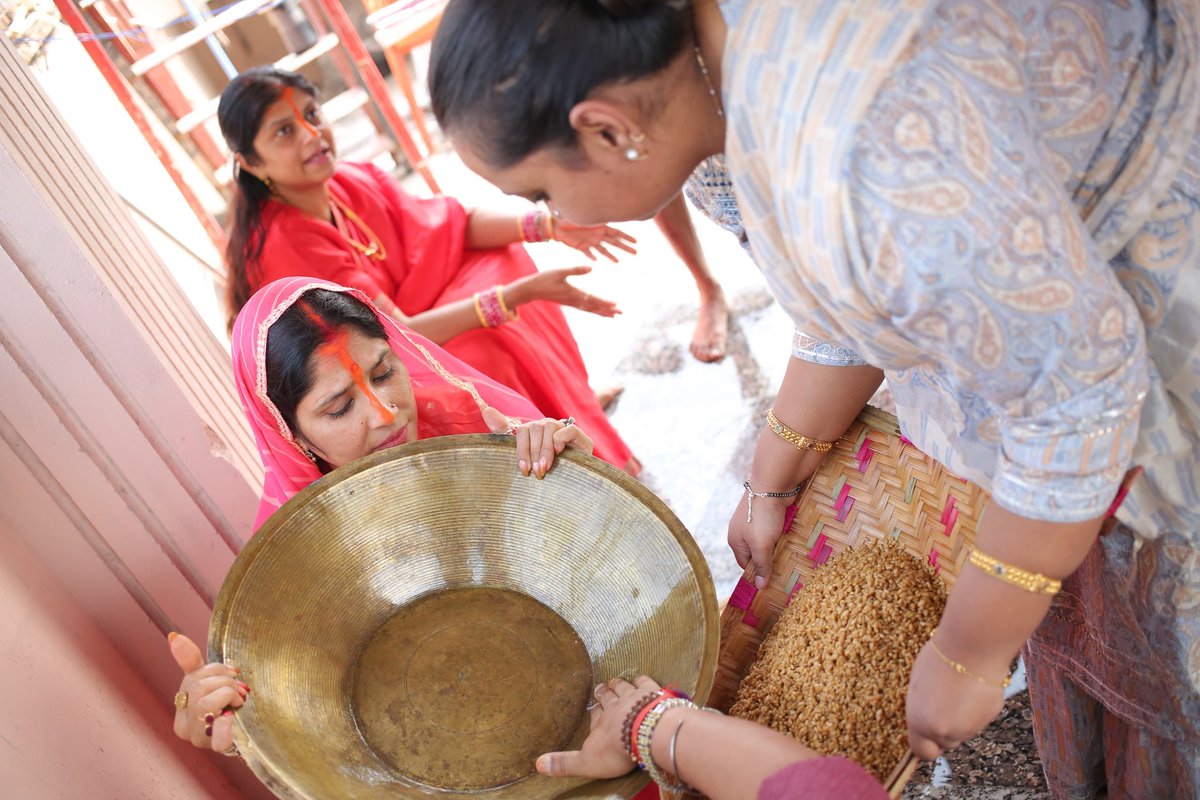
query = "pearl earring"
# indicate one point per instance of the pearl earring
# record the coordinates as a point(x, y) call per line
point(632, 154)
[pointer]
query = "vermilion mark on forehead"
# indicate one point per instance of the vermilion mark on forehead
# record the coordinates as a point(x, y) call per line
point(289, 97)
point(335, 344)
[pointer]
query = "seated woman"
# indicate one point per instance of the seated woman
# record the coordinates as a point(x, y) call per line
point(457, 277)
point(325, 379)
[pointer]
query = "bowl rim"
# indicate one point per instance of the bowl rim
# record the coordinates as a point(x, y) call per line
point(624, 786)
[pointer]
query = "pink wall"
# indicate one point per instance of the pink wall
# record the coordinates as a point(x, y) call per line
point(78, 719)
point(128, 480)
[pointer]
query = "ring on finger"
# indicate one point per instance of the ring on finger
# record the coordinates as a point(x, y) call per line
point(181, 700)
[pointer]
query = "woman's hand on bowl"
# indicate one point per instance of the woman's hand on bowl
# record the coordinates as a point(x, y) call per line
point(212, 692)
point(539, 441)
point(603, 754)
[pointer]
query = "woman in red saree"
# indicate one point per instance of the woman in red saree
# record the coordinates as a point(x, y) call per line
point(459, 277)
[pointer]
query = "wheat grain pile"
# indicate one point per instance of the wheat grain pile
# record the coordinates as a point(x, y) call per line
point(834, 670)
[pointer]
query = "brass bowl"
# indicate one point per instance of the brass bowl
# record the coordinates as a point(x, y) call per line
point(426, 621)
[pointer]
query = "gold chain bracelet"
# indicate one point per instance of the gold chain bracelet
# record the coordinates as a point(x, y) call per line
point(1029, 581)
point(961, 670)
point(800, 440)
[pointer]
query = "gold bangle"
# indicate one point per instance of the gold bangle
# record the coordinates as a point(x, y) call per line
point(1029, 581)
point(800, 440)
point(510, 313)
point(483, 323)
point(961, 670)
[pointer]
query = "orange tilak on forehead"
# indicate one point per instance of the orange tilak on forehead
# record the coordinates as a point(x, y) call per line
point(289, 97)
point(335, 345)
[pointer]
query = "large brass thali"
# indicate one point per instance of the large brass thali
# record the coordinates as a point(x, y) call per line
point(426, 620)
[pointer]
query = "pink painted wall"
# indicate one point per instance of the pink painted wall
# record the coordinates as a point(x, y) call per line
point(78, 720)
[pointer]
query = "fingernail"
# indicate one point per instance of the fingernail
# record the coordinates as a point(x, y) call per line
point(523, 466)
point(172, 636)
point(244, 686)
point(227, 712)
point(760, 582)
point(543, 765)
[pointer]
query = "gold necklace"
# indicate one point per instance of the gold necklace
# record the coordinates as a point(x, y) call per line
point(374, 247)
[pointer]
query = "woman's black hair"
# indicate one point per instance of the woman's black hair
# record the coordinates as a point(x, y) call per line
point(240, 115)
point(507, 73)
point(296, 335)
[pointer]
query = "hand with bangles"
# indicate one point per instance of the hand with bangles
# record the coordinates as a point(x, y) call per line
point(207, 698)
point(688, 748)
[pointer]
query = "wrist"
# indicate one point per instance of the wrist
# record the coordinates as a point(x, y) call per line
point(516, 293)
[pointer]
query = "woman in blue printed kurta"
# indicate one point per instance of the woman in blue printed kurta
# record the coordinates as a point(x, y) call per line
point(993, 203)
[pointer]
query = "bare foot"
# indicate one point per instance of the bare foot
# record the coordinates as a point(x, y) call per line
point(711, 337)
point(607, 396)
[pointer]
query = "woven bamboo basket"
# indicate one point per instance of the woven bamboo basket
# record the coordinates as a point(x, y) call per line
point(873, 484)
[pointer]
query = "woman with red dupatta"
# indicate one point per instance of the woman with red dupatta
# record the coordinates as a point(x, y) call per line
point(460, 278)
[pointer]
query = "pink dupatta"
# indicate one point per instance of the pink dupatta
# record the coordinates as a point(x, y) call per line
point(449, 394)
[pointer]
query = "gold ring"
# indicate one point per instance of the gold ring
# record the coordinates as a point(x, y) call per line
point(181, 700)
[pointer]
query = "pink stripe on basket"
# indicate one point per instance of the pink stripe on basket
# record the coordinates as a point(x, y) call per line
point(906, 440)
point(841, 498)
point(824, 555)
point(845, 510)
point(743, 594)
point(953, 518)
point(949, 507)
point(933, 561)
point(816, 548)
point(789, 515)
point(750, 619)
point(864, 451)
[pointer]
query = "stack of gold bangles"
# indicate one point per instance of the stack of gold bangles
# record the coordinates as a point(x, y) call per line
point(800, 440)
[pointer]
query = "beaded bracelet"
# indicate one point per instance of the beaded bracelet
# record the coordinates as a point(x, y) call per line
point(800, 440)
point(1033, 582)
point(629, 727)
point(645, 734)
point(751, 494)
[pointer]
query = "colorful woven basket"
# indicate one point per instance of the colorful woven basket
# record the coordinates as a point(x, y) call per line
point(873, 484)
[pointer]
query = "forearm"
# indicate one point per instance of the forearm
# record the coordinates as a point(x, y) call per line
point(987, 619)
point(817, 401)
point(724, 757)
point(488, 228)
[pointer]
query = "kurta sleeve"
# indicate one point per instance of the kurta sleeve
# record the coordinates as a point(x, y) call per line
point(826, 778)
point(979, 262)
